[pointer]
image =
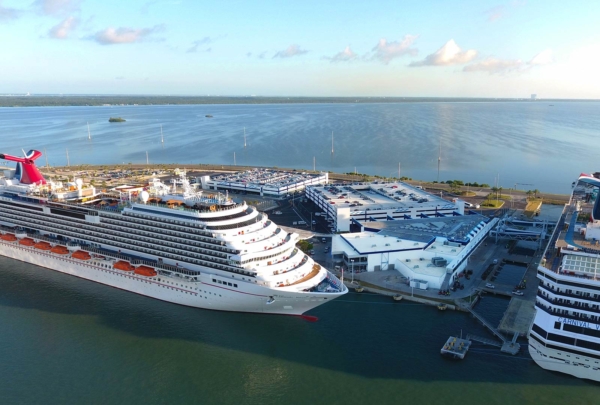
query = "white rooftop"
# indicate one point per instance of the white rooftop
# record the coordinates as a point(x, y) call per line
point(369, 242)
point(362, 197)
point(264, 177)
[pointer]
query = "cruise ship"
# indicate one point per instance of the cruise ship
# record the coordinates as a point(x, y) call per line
point(166, 241)
point(565, 334)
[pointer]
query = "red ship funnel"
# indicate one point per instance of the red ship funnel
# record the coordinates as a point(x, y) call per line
point(26, 172)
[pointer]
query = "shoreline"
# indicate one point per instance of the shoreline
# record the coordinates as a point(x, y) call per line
point(548, 198)
point(9, 100)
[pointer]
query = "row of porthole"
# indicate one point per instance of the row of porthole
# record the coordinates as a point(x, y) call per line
point(122, 275)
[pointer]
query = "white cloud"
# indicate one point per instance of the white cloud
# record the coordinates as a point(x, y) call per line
point(496, 13)
point(346, 55)
point(57, 7)
point(385, 51)
point(449, 54)
point(292, 50)
point(200, 42)
point(64, 28)
point(494, 65)
point(7, 13)
point(125, 35)
point(543, 58)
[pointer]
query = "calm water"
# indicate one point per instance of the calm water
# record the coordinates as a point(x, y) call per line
point(69, 341)
point(538, 145)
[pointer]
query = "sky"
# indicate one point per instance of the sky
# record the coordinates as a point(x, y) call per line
point(384, 48)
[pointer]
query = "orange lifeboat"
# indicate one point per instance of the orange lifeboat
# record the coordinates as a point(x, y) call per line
point(125, 266)
point(61, 250)
point(9, 237)
point(27, 242)
point(81, 255)
point(145, 271)
point(42, 245)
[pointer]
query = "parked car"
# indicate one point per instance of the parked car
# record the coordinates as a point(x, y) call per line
point(489, 285)
point(517, 292)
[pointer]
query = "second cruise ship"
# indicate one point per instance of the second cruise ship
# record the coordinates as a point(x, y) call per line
point(565, 334)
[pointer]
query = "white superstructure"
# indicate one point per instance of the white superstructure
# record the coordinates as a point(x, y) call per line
point(565, 334)
point(165, 242)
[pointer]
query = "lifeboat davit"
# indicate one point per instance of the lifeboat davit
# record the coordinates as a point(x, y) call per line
point(9, 237)
point(122, 265)
point(42, 245)
point(27, 242)
point(81, 255)
point(145, 271)
point(61, 250)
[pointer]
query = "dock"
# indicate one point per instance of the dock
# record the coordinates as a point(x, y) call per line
point(455, 348)
point(518, 317)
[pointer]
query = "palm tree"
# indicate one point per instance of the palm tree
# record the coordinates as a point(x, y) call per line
point(535, 192)
point(529, 193)
point(495, 190)
point(500, 191)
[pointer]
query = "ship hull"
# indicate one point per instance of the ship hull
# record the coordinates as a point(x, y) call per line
point(200, 294)
point(551, 359)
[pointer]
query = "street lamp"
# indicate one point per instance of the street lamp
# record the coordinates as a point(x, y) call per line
point(352, 261)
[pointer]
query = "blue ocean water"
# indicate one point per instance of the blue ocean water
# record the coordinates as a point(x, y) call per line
point(533, 145)
point(64, 340)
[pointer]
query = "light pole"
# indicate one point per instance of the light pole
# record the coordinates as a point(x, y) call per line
point(311, 223)
point(352, 261)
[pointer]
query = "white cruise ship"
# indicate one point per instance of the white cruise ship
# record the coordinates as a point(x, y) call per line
point(565, 334)
point(168, 242)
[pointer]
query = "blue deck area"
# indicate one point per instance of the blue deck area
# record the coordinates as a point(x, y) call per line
point(570, 236)
point(571, 231)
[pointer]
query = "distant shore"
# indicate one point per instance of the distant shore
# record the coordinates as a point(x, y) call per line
point(8, 100)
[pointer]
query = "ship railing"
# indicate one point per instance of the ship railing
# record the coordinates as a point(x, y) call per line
point(577, 274)
point(563, 302)
point(335, 282)
point(140, 261)
point(566, 314)
point(207, 248)
point(563, 293)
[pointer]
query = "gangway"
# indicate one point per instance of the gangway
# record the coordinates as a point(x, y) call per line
point(507, 346)
point(483, 340)
point(487, 325)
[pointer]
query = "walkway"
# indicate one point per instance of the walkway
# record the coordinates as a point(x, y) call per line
point(487, 325)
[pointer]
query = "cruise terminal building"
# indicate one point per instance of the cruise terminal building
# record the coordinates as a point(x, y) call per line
point(400, 227)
